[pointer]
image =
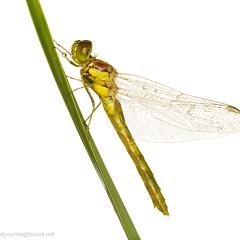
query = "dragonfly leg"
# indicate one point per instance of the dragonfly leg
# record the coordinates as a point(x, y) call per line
point(89, 118)
point(65, 50)
point(65, 53)
point(77, 79)
point(77, 89)
point(94, 107)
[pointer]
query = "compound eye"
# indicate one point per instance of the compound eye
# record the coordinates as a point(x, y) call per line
point(81, 51)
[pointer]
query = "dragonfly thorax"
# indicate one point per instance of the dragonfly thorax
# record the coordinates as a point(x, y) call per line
point(100, 76)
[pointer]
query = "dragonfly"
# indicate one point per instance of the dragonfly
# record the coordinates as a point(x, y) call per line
point(141, 109)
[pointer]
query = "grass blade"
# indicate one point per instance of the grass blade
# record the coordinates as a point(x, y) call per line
point(72, 106)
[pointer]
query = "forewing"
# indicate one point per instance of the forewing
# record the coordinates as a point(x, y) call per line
point(157, 113)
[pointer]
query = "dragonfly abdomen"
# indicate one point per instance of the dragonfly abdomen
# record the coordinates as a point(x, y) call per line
point(114, 111)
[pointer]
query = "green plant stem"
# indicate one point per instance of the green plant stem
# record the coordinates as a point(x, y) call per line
point(72, 106)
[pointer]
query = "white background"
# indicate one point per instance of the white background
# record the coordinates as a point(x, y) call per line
point(47, 182)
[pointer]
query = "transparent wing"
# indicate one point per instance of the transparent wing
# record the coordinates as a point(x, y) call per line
point(157, 113)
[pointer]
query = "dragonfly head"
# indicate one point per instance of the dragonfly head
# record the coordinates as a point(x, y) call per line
point(81, 51)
